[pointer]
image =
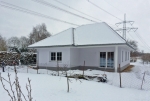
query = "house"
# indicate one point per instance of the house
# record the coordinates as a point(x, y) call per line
point(97, 44)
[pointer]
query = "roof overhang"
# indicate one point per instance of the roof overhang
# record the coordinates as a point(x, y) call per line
point(133, 49)
point(83, 46)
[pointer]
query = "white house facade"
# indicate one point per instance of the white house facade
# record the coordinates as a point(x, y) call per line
point(95, 46)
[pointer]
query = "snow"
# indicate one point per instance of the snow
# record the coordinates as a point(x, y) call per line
point(62, 38)
point(91, 34)
point(98, 33)
point(47, 87)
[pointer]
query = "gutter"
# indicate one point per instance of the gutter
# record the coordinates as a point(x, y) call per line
point(72, 45)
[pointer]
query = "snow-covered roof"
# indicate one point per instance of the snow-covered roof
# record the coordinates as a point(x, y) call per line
point(92, 34)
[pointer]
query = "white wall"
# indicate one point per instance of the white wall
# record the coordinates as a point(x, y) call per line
point(124, 62)
point(74, 57)
point(91, 56)
point(44, 56)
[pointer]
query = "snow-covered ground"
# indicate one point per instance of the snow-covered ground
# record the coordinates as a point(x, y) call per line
point(54, 88)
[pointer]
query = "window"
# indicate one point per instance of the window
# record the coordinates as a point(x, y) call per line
point(59, 56)
point(53, 56)
point(56, 56)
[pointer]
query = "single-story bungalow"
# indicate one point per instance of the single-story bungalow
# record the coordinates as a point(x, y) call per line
point(98, 45)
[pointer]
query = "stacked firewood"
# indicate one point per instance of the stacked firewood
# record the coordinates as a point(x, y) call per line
point(9, 57)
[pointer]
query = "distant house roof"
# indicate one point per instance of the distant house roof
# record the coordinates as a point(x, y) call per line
point(92, 34)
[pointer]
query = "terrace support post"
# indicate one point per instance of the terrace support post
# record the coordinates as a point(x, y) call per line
point(120, 75)
point(116, 58)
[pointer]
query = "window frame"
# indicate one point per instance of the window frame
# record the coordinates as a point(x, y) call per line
point(56, 57)
point(59, 57)
point(104, 62)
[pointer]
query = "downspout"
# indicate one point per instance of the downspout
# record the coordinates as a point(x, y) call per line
point(73, 43)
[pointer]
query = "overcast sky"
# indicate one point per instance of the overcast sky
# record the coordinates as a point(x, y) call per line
point(15, 23)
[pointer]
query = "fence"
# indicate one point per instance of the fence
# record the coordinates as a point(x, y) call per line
point(137, 80)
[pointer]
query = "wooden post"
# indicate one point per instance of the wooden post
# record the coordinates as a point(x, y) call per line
point(142, 80)
point(83, 68)
point(57, 68)
point(120, 75)
point(37, 69)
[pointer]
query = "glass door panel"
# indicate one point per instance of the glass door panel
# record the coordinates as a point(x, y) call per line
point(102, 59)
point(110, 59)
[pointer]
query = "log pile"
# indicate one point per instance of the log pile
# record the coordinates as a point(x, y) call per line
point(9, 57)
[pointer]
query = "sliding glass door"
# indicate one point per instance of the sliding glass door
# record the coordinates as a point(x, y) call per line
point(110, 59)
point(107, 59)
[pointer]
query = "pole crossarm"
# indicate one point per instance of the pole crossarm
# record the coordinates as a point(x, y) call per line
point(131, 22)
point(127, 29)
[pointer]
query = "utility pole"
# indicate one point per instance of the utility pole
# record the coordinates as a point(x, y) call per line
point(125, 28)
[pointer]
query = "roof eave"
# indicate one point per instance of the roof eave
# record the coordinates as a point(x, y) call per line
point(77, 45)
point(132, 48)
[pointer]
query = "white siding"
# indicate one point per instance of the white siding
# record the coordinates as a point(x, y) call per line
point(124, 62)
point(44, 56)
point(74, 57)
point(91, 56)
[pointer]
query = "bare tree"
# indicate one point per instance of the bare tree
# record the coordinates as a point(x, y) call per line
point(68, 75)
point(146, 58)
point(143, 80)
point(3, 45)
point(17, 94)
point(38, 33)
point(135, 46)
point(13, 42)
point(24, 42)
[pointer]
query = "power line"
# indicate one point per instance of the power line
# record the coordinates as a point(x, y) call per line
point(113, 6)
point(142, 40)
point(58, 8)
point(17, 8)
point(79, 11)
point(103, 10)
point(124, 29)
point(136, 32)
point(139, 43)
point(53, 6)
point(76, 10)
point(144, 43)
point(24, 10)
